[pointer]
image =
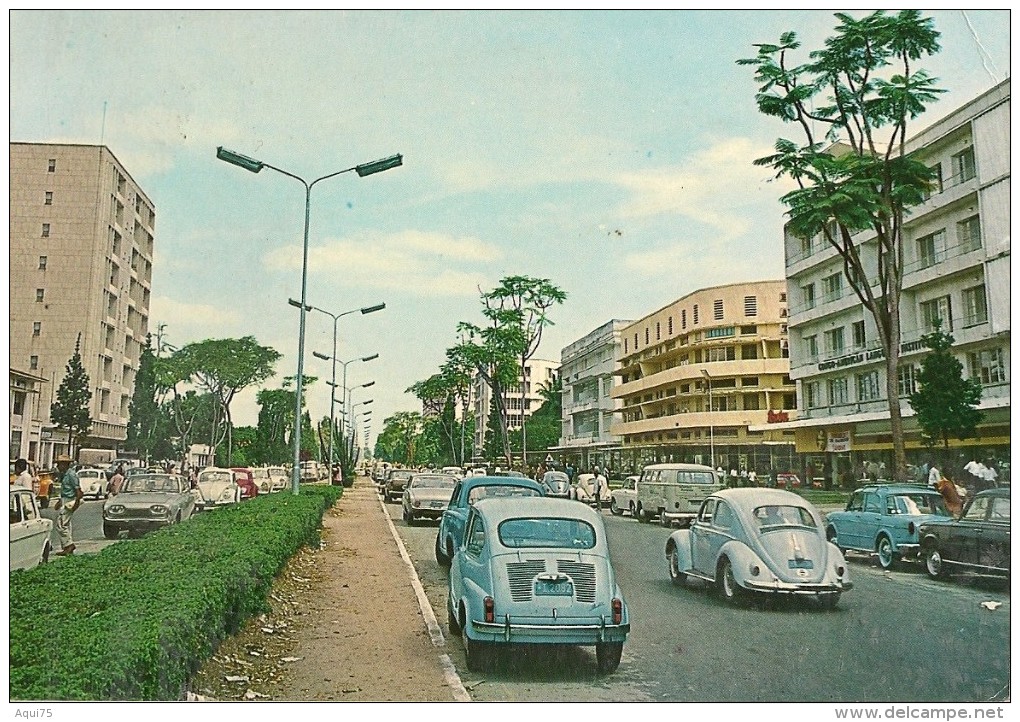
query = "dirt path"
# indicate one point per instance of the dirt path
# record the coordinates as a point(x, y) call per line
point(345, 624)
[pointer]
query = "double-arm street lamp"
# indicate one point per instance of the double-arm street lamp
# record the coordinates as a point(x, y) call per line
point(253, 165)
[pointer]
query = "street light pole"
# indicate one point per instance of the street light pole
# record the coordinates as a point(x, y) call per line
point(711, 422)
point(253, 165)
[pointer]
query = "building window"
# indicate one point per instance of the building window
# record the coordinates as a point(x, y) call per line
point(624, 350)
point(936, 181)
point(717, 309)
point(658, 334)
point(646, 340)
point(669, 326)
point(749, 381)
point(937, 309)
point(931, 249)
point(695, 319)
point(968, 234)
point(52, 167)
point(857, 334)
point(808, 294)
point(748, 351)
point(719, 403)
point(720, 353)
point(48, 199)
point(832, 287)
point(42, 263)
point(722, 332)
point(906, 379)
point(867, 386)
point(751, 402)
point(975, 307)
point(810, 348)
point(812, 395)
point(37, 328)
point(750, 305)
point(40, 294)
point(748, 330)
point(987, 366)
point(683, 321)
point(45, 230)
point(33, 362)
point(838, 391)
point(964, 167)
point(834, 342)
point(635, 340)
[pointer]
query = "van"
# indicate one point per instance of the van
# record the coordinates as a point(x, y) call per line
point(674, 492)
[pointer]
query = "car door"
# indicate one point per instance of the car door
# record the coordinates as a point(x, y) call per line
point(724, 521)
point(27, 528)
point(701, 539)
point(993, 538)
point(472, 563)
point(848, 523)
point(871, 518)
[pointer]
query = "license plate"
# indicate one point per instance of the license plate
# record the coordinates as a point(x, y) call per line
point(564, 588)
point(801, 564)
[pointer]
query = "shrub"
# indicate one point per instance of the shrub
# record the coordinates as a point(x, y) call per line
point(135, 621)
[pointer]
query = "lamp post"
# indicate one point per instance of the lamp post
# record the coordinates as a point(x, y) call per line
point(253, 165)
point(711, 423)
point(353, 421)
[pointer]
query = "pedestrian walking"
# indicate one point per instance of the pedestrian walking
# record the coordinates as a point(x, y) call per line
point(24, 477)
point(116, 481)
point(67, 504)
point(934, 475)
point(601, 489)
point(752, 477)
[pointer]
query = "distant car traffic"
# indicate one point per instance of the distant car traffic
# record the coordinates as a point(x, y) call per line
point(217, 487)
point(29, 531)
point(883, 519)
point(93, 482)
point(536, 571)
point(768, 541)
point(395, 484)
point(674, 492)
point(624, 498)
point(427, 496)
point(556, 484)
point(147, 502)
point(976, 543)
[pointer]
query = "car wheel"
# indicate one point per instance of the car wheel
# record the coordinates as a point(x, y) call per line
point(452, 620)
point(886, 555)
point(47, 548)
point(664, 520)
point(933, 563)
point(829, 600)
point(675, 574)
point(728, 587)
point(441, 558)
point(474, 651)
point(642, 515)
point(177, 519)
point(631, 509)
point(614, 508)
point(607, 656)
point(833, 537)
point(110, 532)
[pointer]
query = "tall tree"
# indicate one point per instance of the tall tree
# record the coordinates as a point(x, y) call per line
point(276, 420)
point(856, 181)
point(945, 404)
point(148, 428)
point(545, 424)
point(70, 410)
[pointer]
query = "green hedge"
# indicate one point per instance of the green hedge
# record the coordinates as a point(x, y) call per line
point(135, 621)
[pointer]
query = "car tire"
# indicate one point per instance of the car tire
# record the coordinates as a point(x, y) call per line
point(664, 520)
point(47, 548)
point(727, 583)
point(886, 555)
point(452, 620)
point(678, 578)
point(441, 558)
point(110, 532)
point(933, 563)
point(642, 515)
point(615, 508)
point(833, 537)
point(607, 656)
point(474, 651)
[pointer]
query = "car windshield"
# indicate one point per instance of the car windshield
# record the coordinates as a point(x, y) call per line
point(400, 475)
point(777, 515)
point(696, 477)
point(260, 473)
point(215, 476)
point(544, 532)
point(917, 504)
point(141, 483)
point(489, 492)
point(556, 476)
point(433, 482)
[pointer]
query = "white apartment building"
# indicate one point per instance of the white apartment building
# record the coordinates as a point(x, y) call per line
point(538, 374)
point(587, 369)
point(81, 244)
point(956, 269)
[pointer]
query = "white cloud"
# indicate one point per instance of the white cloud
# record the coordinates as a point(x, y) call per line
point(195, 316)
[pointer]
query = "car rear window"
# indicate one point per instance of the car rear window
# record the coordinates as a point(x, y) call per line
point(696, 477)
point(776, 515)
point(489, 492)
point(214, 476)
point(433, 482)
point(532, 533)
point(917, 504)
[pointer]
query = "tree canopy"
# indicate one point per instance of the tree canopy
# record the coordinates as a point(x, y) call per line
point(70, 409)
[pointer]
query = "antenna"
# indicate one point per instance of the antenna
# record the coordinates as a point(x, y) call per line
point(102, 129)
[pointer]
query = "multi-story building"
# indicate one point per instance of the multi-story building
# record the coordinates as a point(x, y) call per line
point(587, 369)
point(956, 269)
point(697, 374)
point(25, 431)
point(538, 374)
point(81, 243)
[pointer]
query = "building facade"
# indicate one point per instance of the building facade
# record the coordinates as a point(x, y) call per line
point(25, 430)
point(698, 374)
point(587, 372)
point(81, 245)
point(956, 270)
point(538, 374)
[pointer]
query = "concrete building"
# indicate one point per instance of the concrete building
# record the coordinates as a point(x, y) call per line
point(956, 269)
point(81, 243)
point(25, 430)
point(587, 368)
point(538, 374)
point(697, 374)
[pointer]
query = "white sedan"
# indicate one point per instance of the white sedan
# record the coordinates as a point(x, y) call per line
point(30, 532)
point(625, 498)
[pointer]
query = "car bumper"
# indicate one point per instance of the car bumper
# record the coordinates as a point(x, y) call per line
point(593, 632)
point(136, 524)
point(780, 587)
point(427, 513)
point(908, 551)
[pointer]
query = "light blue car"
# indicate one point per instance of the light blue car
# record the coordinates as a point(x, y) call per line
point(536, 571)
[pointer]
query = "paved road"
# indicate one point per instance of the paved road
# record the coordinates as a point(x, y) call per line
point(891, 639)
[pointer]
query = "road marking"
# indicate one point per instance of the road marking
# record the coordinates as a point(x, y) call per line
point(453, 681)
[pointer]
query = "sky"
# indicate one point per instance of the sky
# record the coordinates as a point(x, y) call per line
point(610, 152)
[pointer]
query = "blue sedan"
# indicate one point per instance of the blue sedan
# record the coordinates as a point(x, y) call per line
point(536, 571)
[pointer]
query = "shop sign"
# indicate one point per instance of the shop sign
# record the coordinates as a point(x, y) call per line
point(777, 417)
point(838, 441)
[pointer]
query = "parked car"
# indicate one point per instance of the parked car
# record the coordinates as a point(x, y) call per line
point(42, 483)
point(509, 472)
point(624, 498)
point(427, 495)
point(147, 502)
point(674, 492)
point(556, 484)
point(245, 478)
point(536, 571)
point(883, 519)
point(465, 494)
point(309, 471)
point(977, 542)
point(279, 480)
point(93, 482)
point(759, 540)
point(396, 482)
point(117, 463)
point(584, 490)
point(30, 532)
point(217, 487)
point(787, 480)
point(453, 471)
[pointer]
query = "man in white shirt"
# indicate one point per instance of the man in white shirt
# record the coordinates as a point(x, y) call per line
point(24, 478)
point(934, 475)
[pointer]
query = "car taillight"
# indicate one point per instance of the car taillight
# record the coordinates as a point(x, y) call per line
point(617, 611)
point(490, 610)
